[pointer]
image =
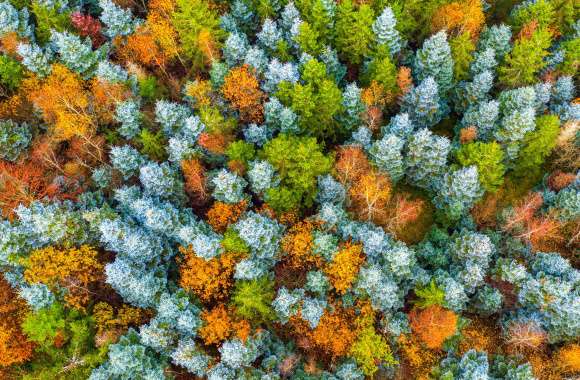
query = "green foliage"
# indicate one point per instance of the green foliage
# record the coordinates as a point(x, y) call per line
point(298, 160)
point(526, 59)
point(315, 13)
point(488, 158)
point(65, 339)
point(537, 145)
point(308, 39)
point(541, 11)
point(354, 31)
point(371, 349)
point(429, 295)
point(152, 144)
point(232, 242)
point(190, 18)
point(462, 48)
point(11, 73)
point(317, 101)
point(253, 299)
point(571, 61)
point(241, 151)
point(215, 122)
point(151, 89)
point(382, 69)
point(47, 19)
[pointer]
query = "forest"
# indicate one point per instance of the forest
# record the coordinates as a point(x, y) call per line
point(289, 189)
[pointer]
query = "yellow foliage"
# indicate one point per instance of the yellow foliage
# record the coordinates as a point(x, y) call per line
point(106, 318)
point(417, 357)
point(343, 269)
point(200, 91)
point(210, 280)
point(370, 195)
point(63, 101)
point(297, 245)
point(459, 17)
point(568, 358)
point(75, 269)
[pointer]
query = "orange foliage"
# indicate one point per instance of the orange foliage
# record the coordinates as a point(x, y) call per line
point(404, 79)
point(88, 151)
point(417, 360)
point(527, 30)
point(161, 28)
point(433, 325)
point(467, 134)
point(64, 102)
point(481, 335)
point(524, 211)
point(559, 180)
point(526, 336)
point(544, 367)
point(568, 358)
point(214, 142)
point(75, 269)
point(242, 89)
point(142, 47)
point(220, 326)
point(14, 346)
point(105, 98)
point(9, 43)
point(344, 267)
point(194, 174)
point(297, 245)
point(369, 196)
point(485, 210)
point(351, 163)
point(20, 184)
point(333, 336)
point(374, 95)
point(210, 280)
point(17, 107)
point(221, 214)
point(459, 17)
point(404, 213)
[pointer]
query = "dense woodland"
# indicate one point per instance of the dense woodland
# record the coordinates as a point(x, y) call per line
point(289, 189)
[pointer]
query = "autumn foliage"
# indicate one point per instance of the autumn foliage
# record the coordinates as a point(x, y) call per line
point(344, 267)
point(242, 89)
point(433, 325)
point(209, 280)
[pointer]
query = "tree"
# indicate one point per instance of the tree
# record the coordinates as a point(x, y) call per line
point(426, 158)
point(459, 17)
point(14, 139)
point(343, 269)
point(488, 157)
point(64, 103)
point(11, 73)
point(194, 22)
point(434, 60)
point(369, 349)
point(242, 89)
point(208, 279)
point(462, 48)
point(433, 325)
point(526, 59)
point(537, 145)
point(15, 348)
point(77, 54)
point(353, 31)
point(253, 299)
point(424, 104)
point(370, 195)
point(385, 31)
point(298, 161)
point(316, 102)
point(119, 21)
point(76, 270)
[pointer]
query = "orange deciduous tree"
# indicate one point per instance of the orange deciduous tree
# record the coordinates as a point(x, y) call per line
point(459, 17)
point(64, 103)
point(77, 270)
point(220, 324)
point(351, 163)
point(344, 267)
point(433, 325)
point(297, 245)
point(242, 89)
point(210, 280)
point(221, 214)
point(404, 80)
point(370, 195)
point(195, 179)
point(22, 183)
point(14, 346)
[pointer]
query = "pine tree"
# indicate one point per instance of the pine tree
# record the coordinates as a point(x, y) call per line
point(385, 32)
point(424, 105)
point(353, 31)
point(426, 158)
point(434, 60)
